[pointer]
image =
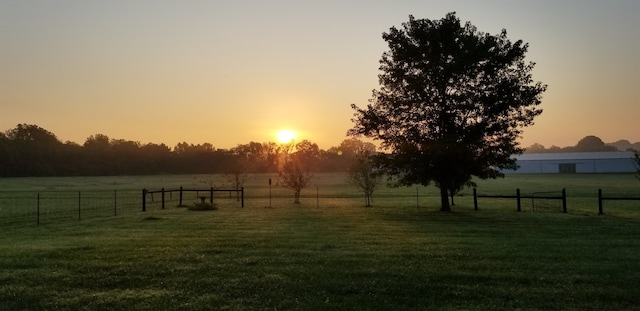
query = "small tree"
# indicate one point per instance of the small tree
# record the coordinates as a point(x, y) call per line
point(294, 176)
point(294, 167)
point(237, 174)
point(363, 175)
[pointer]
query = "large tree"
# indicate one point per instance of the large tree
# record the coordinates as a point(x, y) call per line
point(451, 105)
point(30, 151)
point(592, 144)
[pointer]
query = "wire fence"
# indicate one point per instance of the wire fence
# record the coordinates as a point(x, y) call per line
point(40, 208)
point(27, 208)
point(37, 208)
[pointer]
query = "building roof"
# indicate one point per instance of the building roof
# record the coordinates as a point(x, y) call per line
point(574, 156)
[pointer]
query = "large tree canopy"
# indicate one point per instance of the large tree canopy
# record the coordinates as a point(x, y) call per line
point(452, 103)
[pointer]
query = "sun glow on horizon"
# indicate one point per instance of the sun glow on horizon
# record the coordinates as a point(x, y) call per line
point(286, 136)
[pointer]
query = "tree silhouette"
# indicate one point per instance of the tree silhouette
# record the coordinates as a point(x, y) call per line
point(31, 151)
point(294, 171)
point(451, 104)
point(536, 148)
point(592, 144)
point(363, 175)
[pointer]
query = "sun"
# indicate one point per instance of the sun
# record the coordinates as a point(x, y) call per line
point(286, 136)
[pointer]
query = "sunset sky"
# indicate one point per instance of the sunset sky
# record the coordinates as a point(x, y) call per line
point(232, 72)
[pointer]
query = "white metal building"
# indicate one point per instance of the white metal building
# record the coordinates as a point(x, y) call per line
point(575, 162)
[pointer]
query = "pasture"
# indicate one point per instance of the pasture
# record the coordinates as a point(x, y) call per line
point(330, 252)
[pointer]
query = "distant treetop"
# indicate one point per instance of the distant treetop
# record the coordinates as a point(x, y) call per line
point(588, 143)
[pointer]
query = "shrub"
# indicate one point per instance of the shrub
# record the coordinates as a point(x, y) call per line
point(203, 207)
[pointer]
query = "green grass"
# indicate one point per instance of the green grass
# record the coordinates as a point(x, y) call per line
point(338, 256)
point(329, 258)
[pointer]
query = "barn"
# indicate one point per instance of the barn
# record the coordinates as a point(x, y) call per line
point(575, 162)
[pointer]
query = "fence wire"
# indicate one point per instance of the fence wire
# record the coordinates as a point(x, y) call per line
point(26, 208)
point(36, 208)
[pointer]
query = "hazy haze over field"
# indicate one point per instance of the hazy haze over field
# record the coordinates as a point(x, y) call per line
point(233, 72)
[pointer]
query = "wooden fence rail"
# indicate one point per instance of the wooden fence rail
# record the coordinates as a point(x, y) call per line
point(519, 197)
point(209, 196)
point(602, 198)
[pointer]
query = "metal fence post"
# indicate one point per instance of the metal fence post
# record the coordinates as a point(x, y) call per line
point(475, 199)
point(564, 200)
point(38, 211)
point(518, 198)
point(269, 193)
point(79, 206)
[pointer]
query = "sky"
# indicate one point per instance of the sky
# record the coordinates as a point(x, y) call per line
point(232, 72)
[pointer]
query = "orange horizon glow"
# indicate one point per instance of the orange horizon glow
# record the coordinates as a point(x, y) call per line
point(190, 72)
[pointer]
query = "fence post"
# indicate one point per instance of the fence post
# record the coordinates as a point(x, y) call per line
point(269, 193)
point(180, 203)
point(242, 196)
point(144, 200)
point(211, 195)
point(79, 206)
point(564, 200)
point(38, 211)
point(475, 199)
point(599, 201)
point(518, 199)
point(115, 202)
point(162, 198)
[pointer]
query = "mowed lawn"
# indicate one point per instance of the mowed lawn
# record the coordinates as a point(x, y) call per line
point(331, 253)
point(336, 256)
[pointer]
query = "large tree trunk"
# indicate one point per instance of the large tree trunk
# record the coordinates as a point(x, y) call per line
point(444, 199)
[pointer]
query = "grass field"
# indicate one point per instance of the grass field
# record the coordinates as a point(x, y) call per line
point(331, 253)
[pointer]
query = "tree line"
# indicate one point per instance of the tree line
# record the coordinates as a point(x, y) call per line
point(586, 144)
point(30, 150)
